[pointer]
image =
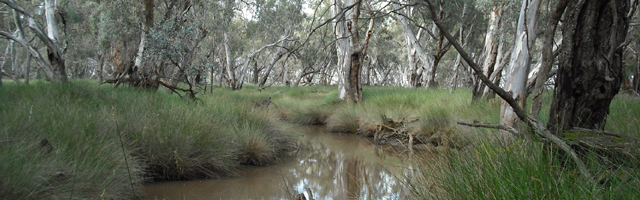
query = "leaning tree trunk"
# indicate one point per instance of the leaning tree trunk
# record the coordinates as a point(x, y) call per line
point(590, 70)
point(516, 79)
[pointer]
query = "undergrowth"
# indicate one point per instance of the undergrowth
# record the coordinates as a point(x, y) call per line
point(55, 139)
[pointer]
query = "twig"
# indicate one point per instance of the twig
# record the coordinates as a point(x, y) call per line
point(489, 125)
point(607, 133)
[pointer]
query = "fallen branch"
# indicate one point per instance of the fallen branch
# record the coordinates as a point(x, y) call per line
point(489, 125)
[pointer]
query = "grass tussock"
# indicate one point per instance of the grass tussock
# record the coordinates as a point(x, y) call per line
point(61, 141)
point(343, 120)
point(521, 170)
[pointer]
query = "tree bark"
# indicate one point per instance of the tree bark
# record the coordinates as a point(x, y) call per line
point(590, 69)
point(342, 44)
point(100, 66)
point(516, 83)
point(547, 57)
point(351, 51)
point(231, 75)
point(55, 56)
point(490, 50)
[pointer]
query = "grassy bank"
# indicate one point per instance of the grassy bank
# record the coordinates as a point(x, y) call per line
point(63, 141)
point(474, 164)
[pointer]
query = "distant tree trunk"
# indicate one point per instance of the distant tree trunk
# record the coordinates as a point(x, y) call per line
point(273, 62)
point(590, 70)
point(463, 42)
point(231, 76)
point(636, 76)
point(442, 46)
point(413, 49)
point(490, 50)
point(148, 77)
point(547, 57)
point(502, 59)
point(520, 62)
point(4, 59)
point(100, 66)
point(27, 70)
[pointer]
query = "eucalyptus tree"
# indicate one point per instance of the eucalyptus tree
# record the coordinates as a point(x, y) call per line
point(55, 67)
point(548, 56)
point(350, 49)
point(590, 70)
point(418, 58)
point(276, 20)
point(519, 65)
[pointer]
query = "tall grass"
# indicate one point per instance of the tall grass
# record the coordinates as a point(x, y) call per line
point(521, 170)
point(164, 137)
point(482, 167)
point(55, 139)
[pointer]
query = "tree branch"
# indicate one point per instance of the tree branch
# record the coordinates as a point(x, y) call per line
point(488, 125)
point(536, 125)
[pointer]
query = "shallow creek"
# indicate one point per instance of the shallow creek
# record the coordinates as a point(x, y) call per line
point(330, 165)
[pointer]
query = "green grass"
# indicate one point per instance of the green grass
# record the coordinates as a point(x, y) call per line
point(481, 166)
point(168, 138)
point(165, 138)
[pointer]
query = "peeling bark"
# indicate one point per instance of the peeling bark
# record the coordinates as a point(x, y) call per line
point(590, 70)
point(519, 64)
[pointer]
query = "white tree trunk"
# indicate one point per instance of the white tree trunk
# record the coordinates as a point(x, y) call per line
point(413, 49)
point(342, 45)
point(491, 46)
point(231, 76)
point(519, 64)
point(50, 14)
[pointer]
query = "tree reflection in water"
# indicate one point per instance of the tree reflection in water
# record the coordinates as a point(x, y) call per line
point(332, 166)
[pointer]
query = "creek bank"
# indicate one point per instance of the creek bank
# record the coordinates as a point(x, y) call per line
point(330, 165)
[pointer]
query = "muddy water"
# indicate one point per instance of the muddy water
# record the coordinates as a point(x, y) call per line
point(331, 166)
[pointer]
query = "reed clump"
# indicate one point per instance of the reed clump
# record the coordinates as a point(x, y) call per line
point(61, 141)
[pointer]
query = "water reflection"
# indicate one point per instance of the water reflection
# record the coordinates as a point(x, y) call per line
point(332, 166)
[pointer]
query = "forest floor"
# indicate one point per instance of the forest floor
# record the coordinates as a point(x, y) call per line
point(84, 140)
